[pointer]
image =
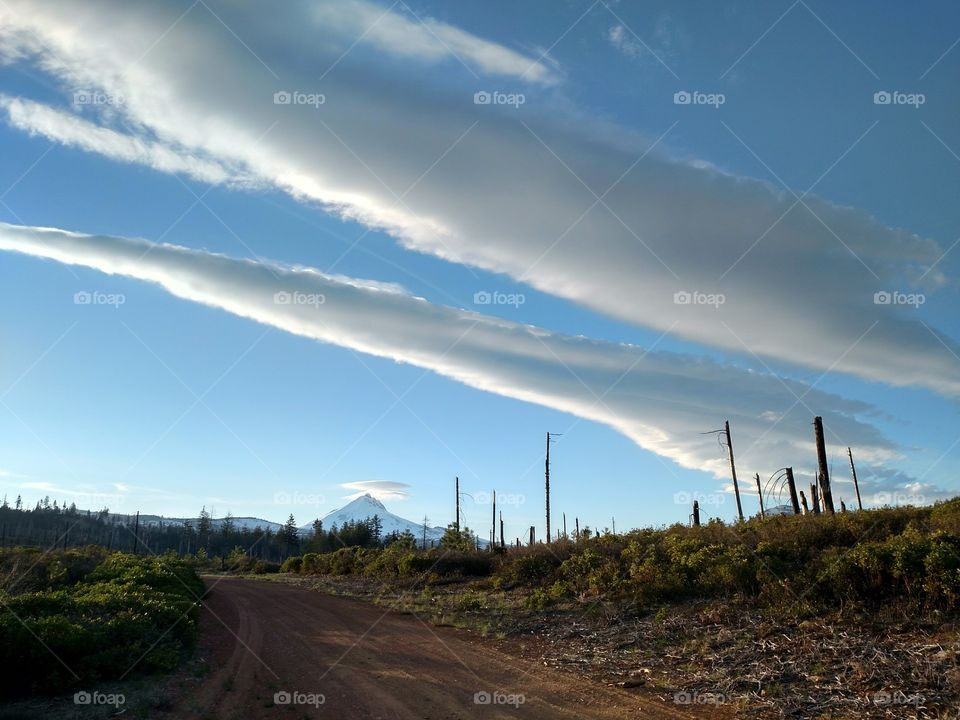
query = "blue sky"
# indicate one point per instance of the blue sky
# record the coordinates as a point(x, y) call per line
point(101, 401)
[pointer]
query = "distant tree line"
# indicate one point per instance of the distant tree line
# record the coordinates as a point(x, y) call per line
point(50, 524)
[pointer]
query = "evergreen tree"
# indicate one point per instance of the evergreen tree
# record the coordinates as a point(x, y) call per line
point(464, 540)
point(203, 526)
point(289, 535)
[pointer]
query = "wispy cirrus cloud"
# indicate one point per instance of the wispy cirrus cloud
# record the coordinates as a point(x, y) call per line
point(84, 496)
point(663, 401)
point(398, 30)
point(73, 131)
point(572, 206)
point(666, 41)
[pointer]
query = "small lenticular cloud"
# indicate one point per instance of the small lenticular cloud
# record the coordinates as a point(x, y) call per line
point(380, 489)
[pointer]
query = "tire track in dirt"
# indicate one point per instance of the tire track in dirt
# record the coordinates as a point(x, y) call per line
point(369, 662)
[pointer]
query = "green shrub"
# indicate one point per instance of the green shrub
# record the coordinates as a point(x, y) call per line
point(533, 565)
point(537, 600)
point(263, 567)
point(942, 567)
point(292, 564)
point(946, 517)
point(125, 613)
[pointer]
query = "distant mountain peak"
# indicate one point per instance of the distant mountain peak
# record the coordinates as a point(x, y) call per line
point(365, 500)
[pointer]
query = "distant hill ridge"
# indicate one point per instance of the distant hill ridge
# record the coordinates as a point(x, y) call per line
point(358, 509)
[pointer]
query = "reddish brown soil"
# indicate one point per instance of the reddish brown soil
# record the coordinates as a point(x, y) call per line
point(262, 638)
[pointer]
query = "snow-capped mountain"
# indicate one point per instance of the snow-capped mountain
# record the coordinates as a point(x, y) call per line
point(249, 523)
point(366, 506)
point(357, 510)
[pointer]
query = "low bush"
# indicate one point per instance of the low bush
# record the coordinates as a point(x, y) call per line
point(908, 557)
point(262, 567)
point(126, 614)
point(291, 564)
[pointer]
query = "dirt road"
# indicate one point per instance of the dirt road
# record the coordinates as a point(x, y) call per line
point(285, 651)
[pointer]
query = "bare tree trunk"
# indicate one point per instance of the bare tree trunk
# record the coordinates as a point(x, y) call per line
point(733, 469)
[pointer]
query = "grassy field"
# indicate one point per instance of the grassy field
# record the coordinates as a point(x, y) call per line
point(900, 559)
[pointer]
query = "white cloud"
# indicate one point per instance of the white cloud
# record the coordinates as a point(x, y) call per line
point(401, 32)
point(73, 131)
point(663, 401)
point(395, 147)
point(84, 497)
point(40, 485)
point(380, 489)
point(126, 488)
point(622, 40)
point(667, 39)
